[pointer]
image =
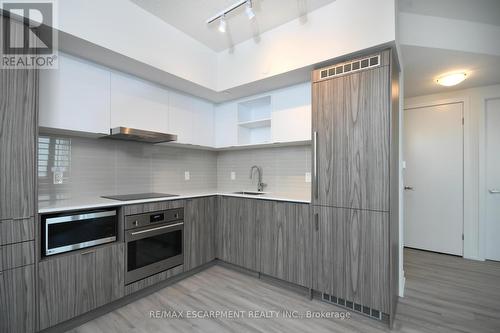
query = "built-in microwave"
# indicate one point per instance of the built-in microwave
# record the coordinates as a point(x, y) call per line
point(64, 232)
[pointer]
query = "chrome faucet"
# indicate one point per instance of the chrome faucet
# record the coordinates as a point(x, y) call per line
point(260, 184)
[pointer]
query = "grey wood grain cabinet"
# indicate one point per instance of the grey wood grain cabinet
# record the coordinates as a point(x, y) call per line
point(17, 255)
point(237, 233)
point(352, 255)
point(18, 132)
point(17, 142)
point(200, 215)
point(285, 239)
point(73, 284)
point(109, 273)
point(15, 231)
point(153, 279)
point(355, 183)
point(351, 119)
point(17, 301)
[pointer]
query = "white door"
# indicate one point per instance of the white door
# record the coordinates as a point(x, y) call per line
point(433, 150)
point(493, 179)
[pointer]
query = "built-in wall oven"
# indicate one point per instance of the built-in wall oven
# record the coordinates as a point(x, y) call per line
point(64, 232)
point(154, 243)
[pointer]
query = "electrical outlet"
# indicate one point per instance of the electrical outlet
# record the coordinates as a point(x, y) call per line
point(308, 177)
point(233, 175)
point(58, 177)
point(187, 176)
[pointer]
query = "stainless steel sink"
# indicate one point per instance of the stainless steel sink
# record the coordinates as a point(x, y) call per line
point(249, 193)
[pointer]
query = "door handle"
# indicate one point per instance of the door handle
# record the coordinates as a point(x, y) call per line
point(315, 161)
point(494, 191)
point(316, 221)
point(158, 228)
point(409, 188)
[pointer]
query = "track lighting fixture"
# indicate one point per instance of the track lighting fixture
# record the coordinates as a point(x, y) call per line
point(222, 15)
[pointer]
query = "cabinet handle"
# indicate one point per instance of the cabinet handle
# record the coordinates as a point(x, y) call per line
point(88, 252)
point(315, 163)
point(316, 221)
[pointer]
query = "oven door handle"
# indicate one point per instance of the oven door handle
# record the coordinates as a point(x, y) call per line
point(134, 233)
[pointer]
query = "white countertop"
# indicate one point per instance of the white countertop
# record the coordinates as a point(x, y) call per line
point(98, 202)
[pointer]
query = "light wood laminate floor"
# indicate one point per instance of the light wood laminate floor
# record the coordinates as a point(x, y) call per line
point(443, 294)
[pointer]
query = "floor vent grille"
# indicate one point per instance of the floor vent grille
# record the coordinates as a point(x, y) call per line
point(365, 310)
point(350, 67)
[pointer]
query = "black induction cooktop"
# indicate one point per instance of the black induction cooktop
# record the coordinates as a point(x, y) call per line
point(139, 196)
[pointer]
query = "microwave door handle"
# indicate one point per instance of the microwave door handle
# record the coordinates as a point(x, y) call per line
point(141, 232)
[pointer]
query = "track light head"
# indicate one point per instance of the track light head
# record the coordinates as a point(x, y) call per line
point(222, 24)
point(249, 10)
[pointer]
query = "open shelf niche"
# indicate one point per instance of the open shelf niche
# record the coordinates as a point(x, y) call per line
point(254, 121)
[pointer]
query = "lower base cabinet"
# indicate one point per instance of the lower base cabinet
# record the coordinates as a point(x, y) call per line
point(70, 285)
point(17, 300)
point(351, 255)
point(200, 215)
point(285, 241)
point(270, 237)
point(238, 232)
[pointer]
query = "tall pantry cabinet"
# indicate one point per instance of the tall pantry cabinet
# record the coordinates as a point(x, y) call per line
point(355, 184)
point(18, 119)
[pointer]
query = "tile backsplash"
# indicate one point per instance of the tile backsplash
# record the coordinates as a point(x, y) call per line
point(72, 167)
point(96, 167)
point(283, 169)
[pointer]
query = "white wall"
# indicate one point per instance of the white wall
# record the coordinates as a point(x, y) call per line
point(126, 28)
point(342, 27)
point(451, 34)
point(474, 106)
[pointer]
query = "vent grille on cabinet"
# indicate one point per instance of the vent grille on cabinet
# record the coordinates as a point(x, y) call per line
point(365, 310)
point(350, 67)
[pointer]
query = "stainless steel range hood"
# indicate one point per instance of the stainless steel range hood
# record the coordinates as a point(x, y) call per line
point(132, 134)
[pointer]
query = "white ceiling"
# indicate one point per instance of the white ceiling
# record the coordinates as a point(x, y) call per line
point(483, 11)
point(422, 65)
point(189, 16)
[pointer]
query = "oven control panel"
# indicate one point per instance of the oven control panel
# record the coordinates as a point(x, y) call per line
point(145, 219)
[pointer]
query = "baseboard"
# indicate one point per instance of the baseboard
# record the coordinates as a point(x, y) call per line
point(402, 283)
point(474, 258)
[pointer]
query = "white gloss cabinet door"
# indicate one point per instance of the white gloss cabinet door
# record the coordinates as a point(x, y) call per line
point(192, 119)
point(138, 104)
point(226, 124)
point(291, 113)
point(75, 96)
point(181, 116)
point(203, 123)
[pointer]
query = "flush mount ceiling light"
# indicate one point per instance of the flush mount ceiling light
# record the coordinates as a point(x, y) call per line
point(449, 80)
point(222, 15)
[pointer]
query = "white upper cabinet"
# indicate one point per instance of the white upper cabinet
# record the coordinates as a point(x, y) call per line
point(138, 104)
point(203, 123)
point(226, 124)
point(291, 114)
point(75, 97)
point(280, 116)
point(85, 97)
point(192, 119)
